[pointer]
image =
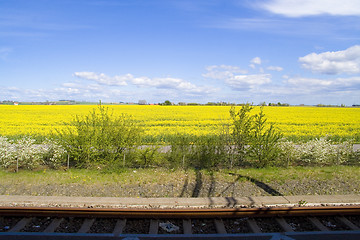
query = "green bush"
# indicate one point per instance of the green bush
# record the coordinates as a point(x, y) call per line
point(180, 151)
point(242, 124)
point(99, 138)
point(264, 139)
point(147, 156)
point(208, 153)
point(254, 138)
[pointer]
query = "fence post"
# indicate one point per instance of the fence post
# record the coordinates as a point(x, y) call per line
point(124, 160)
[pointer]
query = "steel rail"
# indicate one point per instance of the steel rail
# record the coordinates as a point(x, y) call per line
point(177, 213)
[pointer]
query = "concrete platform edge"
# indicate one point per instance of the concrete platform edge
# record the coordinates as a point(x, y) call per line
point(210, 202)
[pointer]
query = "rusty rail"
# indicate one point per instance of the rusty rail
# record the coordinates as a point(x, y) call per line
point(178, 213)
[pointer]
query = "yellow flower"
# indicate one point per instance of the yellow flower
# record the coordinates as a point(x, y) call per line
point(159, 121)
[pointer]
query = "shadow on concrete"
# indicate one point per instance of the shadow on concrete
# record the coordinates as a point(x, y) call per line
point(231, 201)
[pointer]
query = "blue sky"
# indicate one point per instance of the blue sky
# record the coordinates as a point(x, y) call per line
point(293, 51)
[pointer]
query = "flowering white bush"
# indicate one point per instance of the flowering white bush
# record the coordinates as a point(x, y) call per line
point(7, 153)
point(28, 154)
point(24, 153)
point(323, 152)
point(54, 155)
point(318, 152)
point(288, 153)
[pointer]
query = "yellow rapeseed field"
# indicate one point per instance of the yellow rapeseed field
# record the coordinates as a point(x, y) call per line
point(294, 122)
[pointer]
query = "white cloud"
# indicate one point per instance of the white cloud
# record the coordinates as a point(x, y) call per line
point(104, 79)
point(236, 78)
point(160, 83)
point(171, 83)
point(352, 82)
point(222, 71)
point(256, 60)
point(309, 82)
point(275, 68)
point(328, 85)
point(312, 90)
point(301, 8)
point(175, 83)
point(242, 82)
point(223, 67)
point(346, 61)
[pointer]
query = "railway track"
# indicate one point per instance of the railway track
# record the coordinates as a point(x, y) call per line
point(340, 222)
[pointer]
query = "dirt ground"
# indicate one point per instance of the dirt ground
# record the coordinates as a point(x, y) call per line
point(197, 184)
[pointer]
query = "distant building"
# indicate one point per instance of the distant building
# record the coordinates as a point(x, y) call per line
point(142, 102)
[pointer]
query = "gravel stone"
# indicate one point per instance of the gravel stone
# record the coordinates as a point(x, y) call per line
point(37, 224)
point(70, 225)
point(203, 226)
point(300, 224)
point(137, 226)
point(332, 223)
point(268, 225)
point(354, 219)
point(103, 225)
point(238, 225)
point(6, 223)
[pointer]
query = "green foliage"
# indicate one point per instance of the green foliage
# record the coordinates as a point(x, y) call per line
point(99, 138)
point(180, 152)
point(147, 156)
point(254, 138)
point(242, 124)
point(167, 103)
point(200, 153)
point(264, 138)
point(207, 153)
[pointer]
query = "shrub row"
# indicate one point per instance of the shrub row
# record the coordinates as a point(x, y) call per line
point(204, 153)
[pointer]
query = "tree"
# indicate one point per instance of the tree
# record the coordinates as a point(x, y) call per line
point(167, 102)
